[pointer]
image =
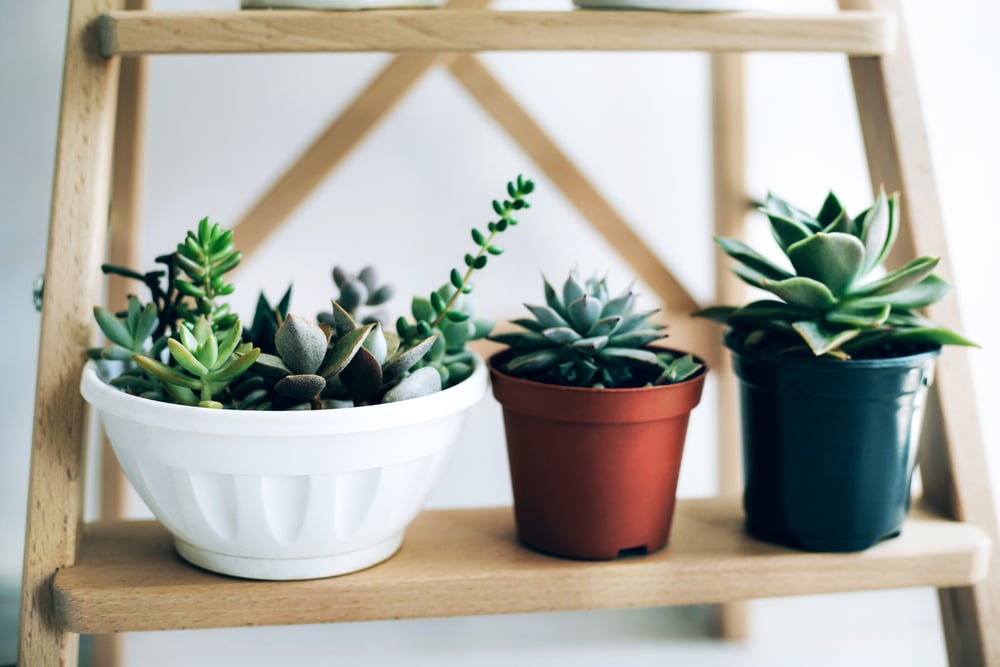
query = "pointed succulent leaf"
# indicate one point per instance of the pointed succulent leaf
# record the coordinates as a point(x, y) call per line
point(547, 317)
point(741, 252)
point(638, 338)
point(636, 321)
point(301, 344)
point(605, 326)
point(842, 224)
point(821, 338)
point(855, 315)
point(303, 387)
point(272, 366)
point(787, 232)
point(391, 343)
point(532, 361)
point(341, 277)
point(528, 323)
point(148, 319)
point(559, 335)
point(573, 289)
point(769, 308)
point(524, 340)
point(112, 327)
point(202, 330)
point(832, 211)
point(421, 382)
point(343, 322)
point(833, 259)
point(369, 276)
point(234, 368)
point(678, 370)
point(720, 314)
point(929, 336)
point(619, 305)
point(208, 353)
point(187, 338)
point(341, 353)
point(362, 377)
point(376, 344)
point(749, 276)
point(802, 292)
point(404, 360)
point(229, 342)
point(910, 274)
point(186, 358)
point(553, 302)
point(113, 353)
point(422, 309)
point(166, 373)
point(629, 354)
point(879, 230)
point(590, 344)
point(381, 295)
point(352, 295)
point(584, 312)
point(929, 290)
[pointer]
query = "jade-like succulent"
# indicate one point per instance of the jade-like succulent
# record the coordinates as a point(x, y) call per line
point(585, 338)
point(205, 363)
point(448, 311)
point(833, 301)
point(327, 366)
point(360, 290)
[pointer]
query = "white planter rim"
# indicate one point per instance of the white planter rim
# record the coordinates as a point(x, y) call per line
point(113, 401)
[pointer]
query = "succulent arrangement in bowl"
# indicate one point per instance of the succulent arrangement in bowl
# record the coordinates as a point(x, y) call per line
point(595, 417)
point(294, 447)
point(834, 372)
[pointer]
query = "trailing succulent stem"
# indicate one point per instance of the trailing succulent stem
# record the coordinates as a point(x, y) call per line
point(447, 311)
point(832, 302)
point(585, 338)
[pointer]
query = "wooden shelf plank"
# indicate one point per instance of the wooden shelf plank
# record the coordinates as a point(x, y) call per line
point(449, 30)
point(467, 562)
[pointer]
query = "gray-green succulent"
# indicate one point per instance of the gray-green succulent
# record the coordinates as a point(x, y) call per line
point(357, 291)
point(833, 298)
point(583, 337)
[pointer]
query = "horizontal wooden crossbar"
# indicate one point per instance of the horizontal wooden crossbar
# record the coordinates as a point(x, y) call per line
point(460, 30)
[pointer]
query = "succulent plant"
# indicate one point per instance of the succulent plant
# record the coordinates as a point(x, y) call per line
point(833, 300)
point(205, 257)
point(448, 311)
point(359, 290)
point(266, 320)
point(585, 338)
point(325, 366)
point(205, 363)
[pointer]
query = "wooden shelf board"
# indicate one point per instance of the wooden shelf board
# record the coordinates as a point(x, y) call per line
point(447, 30)
point(468, 562)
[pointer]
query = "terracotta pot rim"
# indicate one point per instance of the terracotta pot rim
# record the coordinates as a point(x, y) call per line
point(619, 391)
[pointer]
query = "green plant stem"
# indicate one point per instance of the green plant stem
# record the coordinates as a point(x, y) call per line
point(465, 280)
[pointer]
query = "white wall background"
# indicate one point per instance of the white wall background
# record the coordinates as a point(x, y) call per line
point(221, 128)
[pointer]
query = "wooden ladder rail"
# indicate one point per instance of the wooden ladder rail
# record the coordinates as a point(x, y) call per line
point(953, 462)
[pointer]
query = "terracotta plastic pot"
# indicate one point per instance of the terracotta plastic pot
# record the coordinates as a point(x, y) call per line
point(829, 446)
point(594, 471)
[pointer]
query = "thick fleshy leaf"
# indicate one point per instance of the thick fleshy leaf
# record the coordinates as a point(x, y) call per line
point(637, 321)
point(528, 323)
point(856, 315)
point(833, 259)
point(593, 343)
point(421, 382)
point(362, 377)
point(208, 353)
point(422, 309)
point(234, 367)
point(787, 232)
point(720, 314)
point(919, 336)
point(301, 344)
point(342, 320)
point(113, 328)
point(584, 312)
point(272, 366)
point(166, 373)
point(929, 290)
point(629, 354)
point(802, 292)
point(777, 206)
point(229, 341)
point(769, 309)
point(636, 338)
point(547, 317)
point(375, 343)
point(879, 229)
point(148, 319)
point(678, 370)
point(525, 340)
point(552, 299)
point(749, 276)
point(831, 211)
point(531, 361)
point(605, 326)
point(561, 335)
point(842, 224)
point(343, 351)
point(303, 387)
point(619, 305)
point(573, 289)
point(910, 274)
point(404, 360)
point(823, 339)
point(186, 359)
point(741, 252)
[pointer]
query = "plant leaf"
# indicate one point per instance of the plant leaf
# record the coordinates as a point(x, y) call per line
point(822, 339)
point(113, 328)
point(909, 274)
point(629, 354)
point(802, 292)
point(531, 361)
point(833, 259)
point(743, 253)
point(547, 317)
point(856, 315)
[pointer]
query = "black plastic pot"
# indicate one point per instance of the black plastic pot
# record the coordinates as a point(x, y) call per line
point(829, 446)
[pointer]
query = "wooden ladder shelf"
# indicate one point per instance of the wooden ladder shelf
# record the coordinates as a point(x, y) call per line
point(120, 576)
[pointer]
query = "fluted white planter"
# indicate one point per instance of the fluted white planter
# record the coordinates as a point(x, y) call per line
point(284, 495)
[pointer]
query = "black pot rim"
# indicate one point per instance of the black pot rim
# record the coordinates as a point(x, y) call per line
point(818, 363)
point(492, 360)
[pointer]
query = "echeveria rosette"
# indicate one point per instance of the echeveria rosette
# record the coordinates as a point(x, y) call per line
point(586, 338)
point(832, 300)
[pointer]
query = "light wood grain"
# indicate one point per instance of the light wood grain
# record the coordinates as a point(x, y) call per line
point(730, 209)
point(75, 250)
point(132, 33)
point(953, 461)
point(468, 562)
point(564, 174)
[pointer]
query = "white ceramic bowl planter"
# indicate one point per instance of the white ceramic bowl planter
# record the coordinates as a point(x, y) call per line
point(284, 495)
